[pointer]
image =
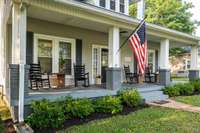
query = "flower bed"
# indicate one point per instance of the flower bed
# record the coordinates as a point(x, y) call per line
point(51, 116)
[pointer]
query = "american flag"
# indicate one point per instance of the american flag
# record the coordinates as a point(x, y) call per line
point(138, 44)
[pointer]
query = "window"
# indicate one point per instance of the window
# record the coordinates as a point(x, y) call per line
point(102, 3)
point(186, 64)
point(45, 55)
point(55, 54)
point(112, 4)
point(121, 5)
point(65, 58)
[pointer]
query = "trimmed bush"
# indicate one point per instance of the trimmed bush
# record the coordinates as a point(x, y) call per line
point(196, 84)
point(172, 91)
point(186, 89)
point(108, 104)
point(130, 97)
point(46, 114)
point(78, 108)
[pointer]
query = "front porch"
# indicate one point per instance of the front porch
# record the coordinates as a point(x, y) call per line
point(149, 92)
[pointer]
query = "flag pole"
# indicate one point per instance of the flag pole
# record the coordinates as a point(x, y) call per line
point(131, 34)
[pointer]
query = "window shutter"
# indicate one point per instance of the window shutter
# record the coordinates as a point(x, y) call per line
point(78, 51)
point(29, 48)
point(156, 61)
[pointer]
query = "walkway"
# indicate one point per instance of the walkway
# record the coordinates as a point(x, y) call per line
point(176, 105)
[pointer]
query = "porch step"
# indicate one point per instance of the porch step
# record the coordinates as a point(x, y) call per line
point(151, 96)
point(150, 88)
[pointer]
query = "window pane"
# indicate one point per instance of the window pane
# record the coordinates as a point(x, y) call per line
point(150, 61)
point(122, 6)
point(45, 55)
point(102, 3)
point(65, 58)
point(112, 4)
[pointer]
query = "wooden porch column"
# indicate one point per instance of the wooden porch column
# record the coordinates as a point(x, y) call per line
point(164, 63)
point(194, 72)
point(19, 23)
point(114, 39)
point(113, 75)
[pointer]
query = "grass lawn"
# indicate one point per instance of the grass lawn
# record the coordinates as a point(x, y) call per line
point(148, 120)
point(193, 100)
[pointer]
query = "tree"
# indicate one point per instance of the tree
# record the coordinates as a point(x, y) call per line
point(173, 14)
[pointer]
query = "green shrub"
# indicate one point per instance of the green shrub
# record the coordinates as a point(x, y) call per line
point(78, 108)
point(46, 114)
point(172, 91)
point(186, 89)
point(130, 97)
point(108, 104)
point(196, 84)
point(1, 125)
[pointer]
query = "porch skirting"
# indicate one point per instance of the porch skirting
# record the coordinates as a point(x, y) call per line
point(165, 77)
point(113, 78)
point(13, 88)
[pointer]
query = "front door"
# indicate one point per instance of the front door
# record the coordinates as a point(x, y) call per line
point(99, 64)
point(104, 64)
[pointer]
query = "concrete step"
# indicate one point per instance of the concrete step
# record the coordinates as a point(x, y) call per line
point(151, 96)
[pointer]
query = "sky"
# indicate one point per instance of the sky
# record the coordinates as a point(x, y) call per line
point(196, 13)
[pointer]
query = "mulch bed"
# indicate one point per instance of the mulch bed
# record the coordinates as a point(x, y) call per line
point(93, 116)
point(9, 128)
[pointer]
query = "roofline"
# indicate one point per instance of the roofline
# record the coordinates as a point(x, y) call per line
point(124, 18)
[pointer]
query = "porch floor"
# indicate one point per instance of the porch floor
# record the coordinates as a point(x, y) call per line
point(146, 90)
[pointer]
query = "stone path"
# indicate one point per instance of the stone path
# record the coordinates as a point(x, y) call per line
point(177, 105)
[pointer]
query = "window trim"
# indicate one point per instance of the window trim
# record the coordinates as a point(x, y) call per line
point(55, 50)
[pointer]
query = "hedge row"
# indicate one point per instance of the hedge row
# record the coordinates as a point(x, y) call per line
point(183, 89)
point(48, 114)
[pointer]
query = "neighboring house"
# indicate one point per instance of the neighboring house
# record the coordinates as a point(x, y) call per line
point(89, 32)
point(181, 64)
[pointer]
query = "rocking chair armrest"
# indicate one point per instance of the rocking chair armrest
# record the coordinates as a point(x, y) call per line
point(86, 73)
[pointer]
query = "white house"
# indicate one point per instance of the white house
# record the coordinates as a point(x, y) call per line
point(90, 32)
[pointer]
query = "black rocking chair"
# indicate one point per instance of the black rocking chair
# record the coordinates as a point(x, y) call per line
point(81, 75)
point(149, 76)
point(130, 77)
point(37, 81)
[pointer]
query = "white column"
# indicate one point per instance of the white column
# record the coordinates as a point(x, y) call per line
point(22, 38)
point(15, 34)
point(194, 58)
point(140, 9)
point(164, 54)
point(113, 42)
point(19, 23)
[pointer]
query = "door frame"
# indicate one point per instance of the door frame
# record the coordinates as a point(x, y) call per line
point(98, 46)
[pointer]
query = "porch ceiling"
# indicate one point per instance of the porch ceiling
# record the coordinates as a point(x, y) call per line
point(51, 16)
point(89, 20)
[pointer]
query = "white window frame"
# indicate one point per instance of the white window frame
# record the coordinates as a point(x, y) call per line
point(154, 57)
point(98, 47)
point(55, 50)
